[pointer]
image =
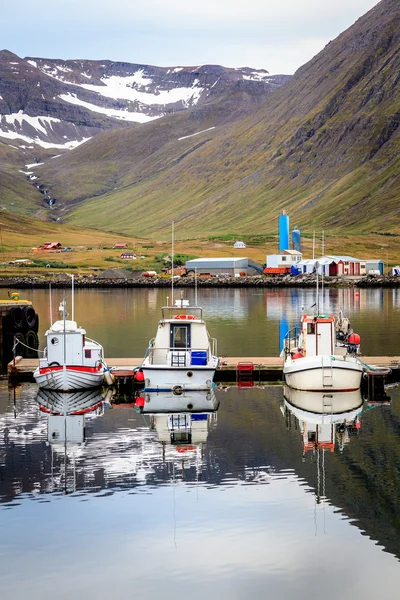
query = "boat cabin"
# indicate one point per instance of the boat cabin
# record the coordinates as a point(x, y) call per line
point(182, 339)
point(317, 335)
point(72, 342)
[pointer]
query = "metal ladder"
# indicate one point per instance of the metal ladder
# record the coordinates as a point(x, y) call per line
point(327, 371)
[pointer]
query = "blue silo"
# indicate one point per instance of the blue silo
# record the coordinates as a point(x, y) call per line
point(283, 225)
point(296, 239)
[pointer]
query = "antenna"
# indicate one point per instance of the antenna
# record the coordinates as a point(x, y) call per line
point(317, 267)
point(313, 245)
point(172, 266)
point(50, 307)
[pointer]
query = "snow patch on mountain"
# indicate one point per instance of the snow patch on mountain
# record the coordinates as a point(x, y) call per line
point(125, 115)
point(193, 134)
point(20, 126)
point(122, 88)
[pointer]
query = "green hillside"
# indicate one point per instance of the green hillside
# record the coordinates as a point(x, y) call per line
point(324, 146)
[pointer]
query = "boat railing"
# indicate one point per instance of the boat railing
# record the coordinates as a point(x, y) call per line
point(178, 357)
point(214, 346)
point(170, 312)
point(88, 339)
point(291, 340)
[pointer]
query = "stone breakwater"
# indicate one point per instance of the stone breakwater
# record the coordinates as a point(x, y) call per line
point(93, 282)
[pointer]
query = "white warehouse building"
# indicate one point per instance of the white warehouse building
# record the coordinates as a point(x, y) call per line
point(228, 265)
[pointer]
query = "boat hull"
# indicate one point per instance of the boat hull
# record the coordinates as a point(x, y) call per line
point(322, 373)
point(169, 379)
point(68, 378)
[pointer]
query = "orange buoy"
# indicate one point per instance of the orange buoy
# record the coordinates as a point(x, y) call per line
point(297, 355)
point(139, 375)
point(354, 338)
point(140, 401)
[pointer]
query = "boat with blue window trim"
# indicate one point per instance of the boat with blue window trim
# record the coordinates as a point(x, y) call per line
point(182, 356)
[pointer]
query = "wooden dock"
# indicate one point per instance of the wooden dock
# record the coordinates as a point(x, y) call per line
point(231, 369)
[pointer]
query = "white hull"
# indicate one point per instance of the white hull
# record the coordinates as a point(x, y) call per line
point(69, 378)
point(167, 379)
point(323, 373)
point(321, 407)
point(60, 403)
point(168, 402)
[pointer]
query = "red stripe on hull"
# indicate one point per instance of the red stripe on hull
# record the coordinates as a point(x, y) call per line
point(76, 368)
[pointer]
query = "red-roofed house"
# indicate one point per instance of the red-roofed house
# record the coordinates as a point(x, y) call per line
point(51, 246)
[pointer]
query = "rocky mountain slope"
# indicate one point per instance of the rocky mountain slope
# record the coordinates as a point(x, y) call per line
point(325, 146)
point(61, 103)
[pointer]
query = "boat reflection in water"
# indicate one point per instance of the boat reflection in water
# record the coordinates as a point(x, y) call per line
point(182, 422)
point(73, 403)
point(67, 414)
point(324, 419)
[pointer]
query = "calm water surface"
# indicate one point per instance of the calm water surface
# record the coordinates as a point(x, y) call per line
point(246, 322)
point(266, 499)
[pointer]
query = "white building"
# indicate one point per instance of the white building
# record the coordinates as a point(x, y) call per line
point(286, 258)
point(239, 244)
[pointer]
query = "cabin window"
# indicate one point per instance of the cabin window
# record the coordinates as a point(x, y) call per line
point(310, 328)
point(54, 341)
point(88, 353)
point(180, 336)
point(283, 258)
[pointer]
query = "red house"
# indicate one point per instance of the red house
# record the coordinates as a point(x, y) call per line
point(51, 246)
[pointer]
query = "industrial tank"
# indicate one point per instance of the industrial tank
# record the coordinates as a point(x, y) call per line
point(296, 239)
point(283, 225)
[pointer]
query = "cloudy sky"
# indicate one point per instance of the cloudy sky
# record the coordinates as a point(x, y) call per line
point(278, 35)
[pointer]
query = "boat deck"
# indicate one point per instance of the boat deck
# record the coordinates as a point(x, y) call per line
point(264, 368)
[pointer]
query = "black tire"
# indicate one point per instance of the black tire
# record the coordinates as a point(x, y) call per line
point(32, 341)
point(31, 318)
point(17, 317)
point(20, 349)
point(8, 343)
point(54, 364)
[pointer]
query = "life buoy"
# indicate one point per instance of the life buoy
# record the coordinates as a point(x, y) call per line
point(185, 317)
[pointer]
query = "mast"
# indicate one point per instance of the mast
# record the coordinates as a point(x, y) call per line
point(172, 266)
point(50, 307)
point(195, 286)
point(322, 272)
point(73, 300)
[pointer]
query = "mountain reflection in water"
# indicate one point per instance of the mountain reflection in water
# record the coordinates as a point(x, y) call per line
point(249, 468)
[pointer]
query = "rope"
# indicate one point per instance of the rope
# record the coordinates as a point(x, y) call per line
point(17, 341)
point(370, 368)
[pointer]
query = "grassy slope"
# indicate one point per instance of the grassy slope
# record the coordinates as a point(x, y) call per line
point(324, 147)
point(17, 194)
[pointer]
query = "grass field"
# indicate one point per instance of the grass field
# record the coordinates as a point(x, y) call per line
point(92, 250)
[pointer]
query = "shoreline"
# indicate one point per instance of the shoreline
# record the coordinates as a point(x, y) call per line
point(95, 282)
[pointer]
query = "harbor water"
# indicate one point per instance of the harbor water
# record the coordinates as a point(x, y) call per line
point(246, 322)
point(260, 493)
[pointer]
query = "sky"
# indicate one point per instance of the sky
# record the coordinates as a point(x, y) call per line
point(277, 35)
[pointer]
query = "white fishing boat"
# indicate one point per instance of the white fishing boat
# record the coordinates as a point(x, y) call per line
point(73, 403)
point(324, 419)
point(71, 361)
point(180, 421)
point(320, 357)
point(182, 356)
point(168, 402)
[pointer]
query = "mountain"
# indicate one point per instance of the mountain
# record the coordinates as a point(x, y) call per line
point(324, 146)
point(62, 103)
